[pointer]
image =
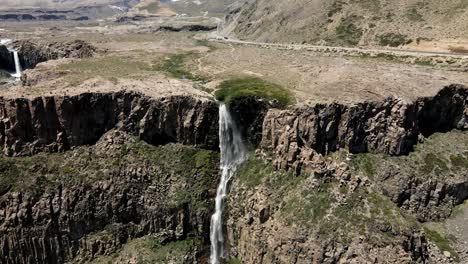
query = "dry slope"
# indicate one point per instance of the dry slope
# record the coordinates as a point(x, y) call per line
point(350, 22)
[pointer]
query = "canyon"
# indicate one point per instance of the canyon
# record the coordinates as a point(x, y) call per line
point(151, 134)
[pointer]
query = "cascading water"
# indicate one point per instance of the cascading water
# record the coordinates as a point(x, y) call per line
point(233, 154)
point(17, 64)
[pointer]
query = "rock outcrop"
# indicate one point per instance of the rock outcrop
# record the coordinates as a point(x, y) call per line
point(389, 127)
point(33, 52)
point(88, 202)
point(60, 123)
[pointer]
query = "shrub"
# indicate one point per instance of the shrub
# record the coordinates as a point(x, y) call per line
point(234, 88)
point(393, 39)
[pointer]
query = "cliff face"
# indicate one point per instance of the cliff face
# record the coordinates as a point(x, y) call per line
point(33, 52)
point(88, 202)
point(389, 127)
point(351, 207)
point(60, 123)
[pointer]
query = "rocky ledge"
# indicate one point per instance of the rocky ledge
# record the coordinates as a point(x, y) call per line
point(389, 127)
point(89, 202)
point(60, 123)
point(33, 52)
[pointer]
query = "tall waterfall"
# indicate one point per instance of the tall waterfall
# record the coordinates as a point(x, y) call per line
point(17, 64)
point(233, 154)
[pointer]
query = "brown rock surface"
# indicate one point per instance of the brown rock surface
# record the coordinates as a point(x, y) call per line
point(59, 123)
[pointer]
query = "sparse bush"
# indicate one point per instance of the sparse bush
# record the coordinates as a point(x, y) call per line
point(347, 32)
point(393, 39)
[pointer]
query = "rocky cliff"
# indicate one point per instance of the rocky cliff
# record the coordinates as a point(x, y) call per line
point(60, 123)
point(33, 52)
point(88, 202)
point(389, 127)
point(324, 187)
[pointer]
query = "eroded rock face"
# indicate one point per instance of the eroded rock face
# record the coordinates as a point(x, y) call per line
point(102, 196)
point(389, 127)
point(33, 52)
point(60, 123)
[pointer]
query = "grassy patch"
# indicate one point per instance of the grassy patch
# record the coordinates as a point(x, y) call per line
point(194, 169)
point(238, 87)
point(347, 32)
point(253, 171)
point(365, 163)
point(413, 15)
point(393, 39)
point(434, 163)
point(336, 7)
point(459, 161)
point(148, 250)
point(308, 207)
point(111, 68)
point(234, 261)
point(175, 67)
point(441, 242)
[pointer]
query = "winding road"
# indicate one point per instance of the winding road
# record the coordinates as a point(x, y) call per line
point(217, 38)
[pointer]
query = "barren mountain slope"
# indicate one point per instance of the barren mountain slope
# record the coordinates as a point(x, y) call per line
point(56, 4)
point(351, 22)
point(200, 7)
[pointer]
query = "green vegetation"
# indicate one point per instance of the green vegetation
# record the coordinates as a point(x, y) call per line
point(309, 207)
point(174, 66)
point(393, 39)
point(459, 161)
point(336, 7)
point(365, 163)
point(253, 171)
point(238, 87)
point(110, 67)
point(441, 242)
point(234, 261)
point(192, 168)
point(367, 213)
point(413, 15)
point(434, 163)
point(148, 250)
point(347, 32)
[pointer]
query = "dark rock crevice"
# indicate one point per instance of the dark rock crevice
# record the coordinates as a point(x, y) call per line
point(6, 59)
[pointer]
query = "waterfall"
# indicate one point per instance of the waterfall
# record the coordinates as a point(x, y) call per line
point(17, 64)
point(233, 154)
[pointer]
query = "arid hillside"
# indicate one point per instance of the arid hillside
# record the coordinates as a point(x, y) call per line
point(353, 22)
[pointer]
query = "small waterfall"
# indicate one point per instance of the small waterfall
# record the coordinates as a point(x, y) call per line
point(17, 64)
point(233, 154)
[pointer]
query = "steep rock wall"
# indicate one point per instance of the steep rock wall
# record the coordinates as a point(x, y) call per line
point(33, 52)
point(389, 127)
point(60, 123)
point(95, 199)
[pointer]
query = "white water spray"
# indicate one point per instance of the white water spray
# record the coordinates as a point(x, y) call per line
point(17, 64)
point(233, 154)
